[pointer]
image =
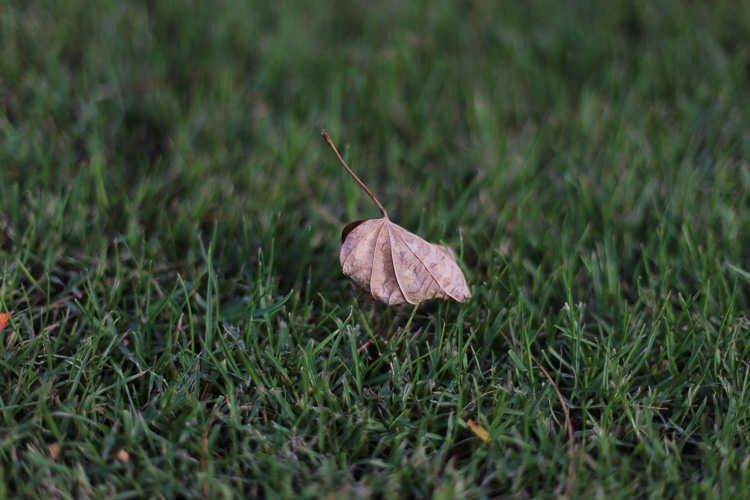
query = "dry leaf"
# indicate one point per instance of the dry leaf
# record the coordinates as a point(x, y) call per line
point(4, 317)
point(477, 429)
point(397, 266)
point(394, 265)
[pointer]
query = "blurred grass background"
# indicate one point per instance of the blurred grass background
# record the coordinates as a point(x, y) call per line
point(170, 224)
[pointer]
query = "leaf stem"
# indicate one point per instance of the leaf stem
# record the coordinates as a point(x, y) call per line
point(327, 138)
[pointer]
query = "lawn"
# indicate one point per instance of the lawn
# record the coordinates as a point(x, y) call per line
point(170, 227)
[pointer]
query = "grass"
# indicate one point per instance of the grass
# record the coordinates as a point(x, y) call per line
point(169, 236)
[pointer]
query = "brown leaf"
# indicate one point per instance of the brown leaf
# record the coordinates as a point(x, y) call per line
point(397, 266)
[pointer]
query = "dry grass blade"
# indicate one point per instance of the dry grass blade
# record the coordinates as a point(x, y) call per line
point(568, 422)
point(572, 448)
